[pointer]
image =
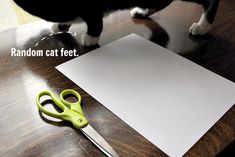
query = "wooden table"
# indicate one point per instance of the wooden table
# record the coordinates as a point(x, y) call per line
point(23, 133)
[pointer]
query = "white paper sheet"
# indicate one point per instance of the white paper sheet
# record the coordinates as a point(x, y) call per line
point(168, 99)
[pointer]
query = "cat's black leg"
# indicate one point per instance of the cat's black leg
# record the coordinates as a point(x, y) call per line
point(207, 18)
point(138, 12)
point(94, 29)
point(60, 27)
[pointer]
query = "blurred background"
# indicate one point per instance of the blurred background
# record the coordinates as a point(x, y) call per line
point(12, 16)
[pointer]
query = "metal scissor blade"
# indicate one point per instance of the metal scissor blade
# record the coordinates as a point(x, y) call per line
point(99, 141)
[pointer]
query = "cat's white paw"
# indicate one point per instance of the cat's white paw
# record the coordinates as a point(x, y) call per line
point(88, 40)
point(200, 28)
point(139, 12)
point(55, 28)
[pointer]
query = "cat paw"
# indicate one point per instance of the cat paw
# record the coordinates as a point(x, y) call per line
point(202, 27)
point(139, 13)
point(197, 29)
point(58, 27)
point(55, 28)
point(88, 40)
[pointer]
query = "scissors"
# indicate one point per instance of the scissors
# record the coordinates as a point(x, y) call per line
point(73, 112)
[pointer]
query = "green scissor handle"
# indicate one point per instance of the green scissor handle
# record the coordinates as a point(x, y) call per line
point(76, 106)
point(71, 111)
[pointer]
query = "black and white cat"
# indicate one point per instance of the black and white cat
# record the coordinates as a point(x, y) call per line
point(66, 12)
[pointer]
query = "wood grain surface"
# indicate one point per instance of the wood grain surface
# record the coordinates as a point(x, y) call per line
point(24, 133)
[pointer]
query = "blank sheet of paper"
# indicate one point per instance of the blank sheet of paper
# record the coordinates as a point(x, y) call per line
point(168, 99)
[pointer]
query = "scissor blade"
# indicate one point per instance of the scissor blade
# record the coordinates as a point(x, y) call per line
point(99, 141)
